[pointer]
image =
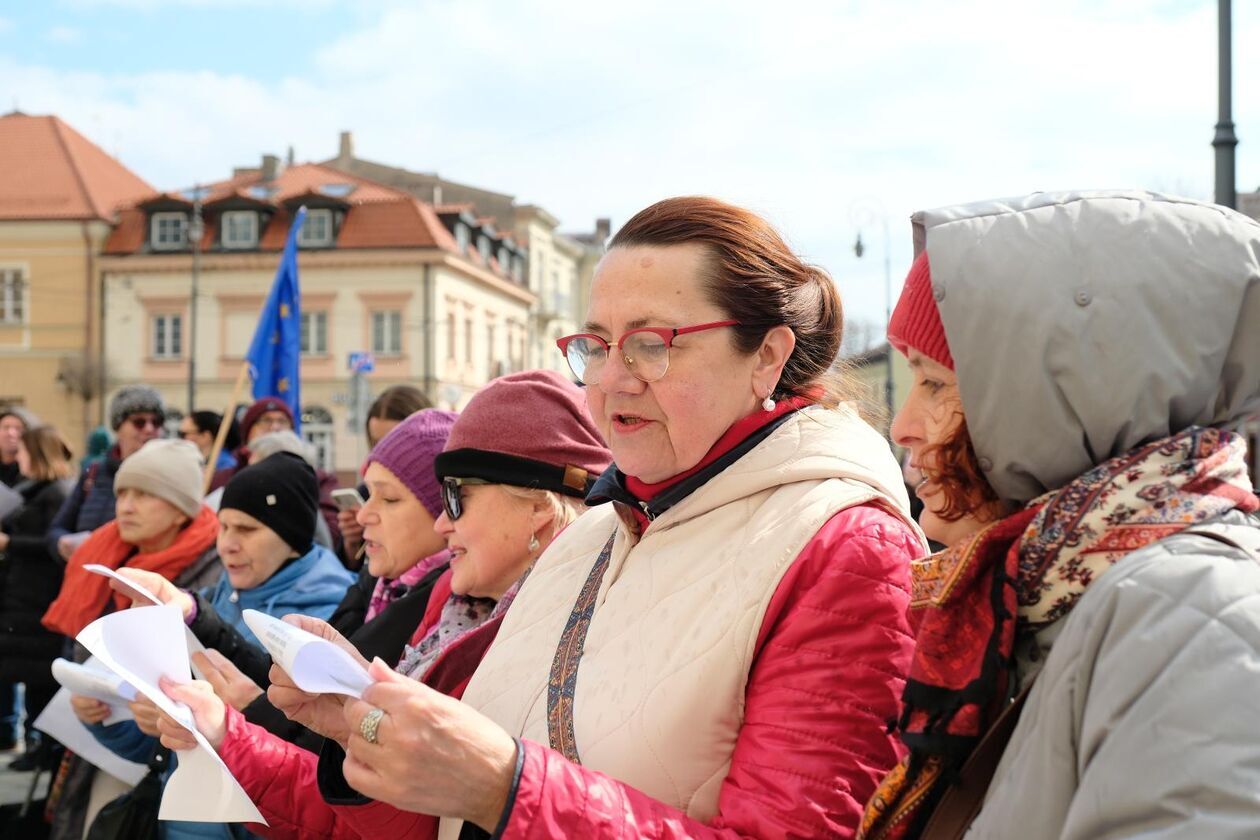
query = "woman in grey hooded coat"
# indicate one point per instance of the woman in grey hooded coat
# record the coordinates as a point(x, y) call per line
point(1077, 361)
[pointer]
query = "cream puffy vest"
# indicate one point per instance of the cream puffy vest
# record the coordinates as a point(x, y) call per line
point(659, 699)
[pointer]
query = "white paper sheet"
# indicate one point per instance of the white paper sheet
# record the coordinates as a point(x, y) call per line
point(92, 679)
point(140, 646)
point(316, 665)
point(59, 721)
point(194, 644)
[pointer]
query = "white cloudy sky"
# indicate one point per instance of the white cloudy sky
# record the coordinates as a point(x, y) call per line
point(825, 116)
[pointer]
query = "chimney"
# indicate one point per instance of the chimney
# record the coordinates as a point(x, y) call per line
point(345, 152)
point(603, 228)
point(288, 159)
point(270, 168)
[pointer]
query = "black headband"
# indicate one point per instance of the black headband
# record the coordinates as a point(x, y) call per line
point(500, 468)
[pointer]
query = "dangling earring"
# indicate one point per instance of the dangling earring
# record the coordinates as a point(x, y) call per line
point(768, 403)
point(533, 543)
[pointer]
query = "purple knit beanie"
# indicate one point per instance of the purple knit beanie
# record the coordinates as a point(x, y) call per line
point(529, 429)
point(408, 452)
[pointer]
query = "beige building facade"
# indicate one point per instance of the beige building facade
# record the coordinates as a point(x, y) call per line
point(58, 199)
point(388, 280)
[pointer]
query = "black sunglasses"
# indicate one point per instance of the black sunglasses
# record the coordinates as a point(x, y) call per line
point(452, 501)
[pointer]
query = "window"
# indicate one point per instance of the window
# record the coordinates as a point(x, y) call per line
point(167, 336)
point(317, 430)
point(239, 229)
point(468, 340)
point(314, 333)
point(169, 231)
point(12, 296)
point(463, 237)
point(518, 268)
point(483, 248)
point(450, 336)
point(317, 230)
point(387, 332)
point(505, 260)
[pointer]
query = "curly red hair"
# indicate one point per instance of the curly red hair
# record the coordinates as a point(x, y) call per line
point(956, 470)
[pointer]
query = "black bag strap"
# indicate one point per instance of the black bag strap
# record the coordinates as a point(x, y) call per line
point(961, 802)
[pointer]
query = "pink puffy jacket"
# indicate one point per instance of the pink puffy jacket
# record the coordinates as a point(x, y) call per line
point(831, 660)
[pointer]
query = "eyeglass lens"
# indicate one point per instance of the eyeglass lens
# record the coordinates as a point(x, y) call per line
point(645, 354)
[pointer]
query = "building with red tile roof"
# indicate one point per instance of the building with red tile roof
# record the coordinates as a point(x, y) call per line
point(441, 306)
point(59, 196)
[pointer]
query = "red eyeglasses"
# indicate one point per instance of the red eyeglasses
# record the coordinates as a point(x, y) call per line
point(645, 351)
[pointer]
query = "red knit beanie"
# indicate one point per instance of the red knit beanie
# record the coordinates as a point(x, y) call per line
point(261, 407)
point(916, 322)
point(529, 429)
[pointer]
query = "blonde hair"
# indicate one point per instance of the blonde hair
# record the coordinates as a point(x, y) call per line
point(50, 454)
point(564, 509)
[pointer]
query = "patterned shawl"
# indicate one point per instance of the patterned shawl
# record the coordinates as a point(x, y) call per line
point(1025, 572)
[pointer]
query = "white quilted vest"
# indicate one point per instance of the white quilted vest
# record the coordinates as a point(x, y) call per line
point(659, 700)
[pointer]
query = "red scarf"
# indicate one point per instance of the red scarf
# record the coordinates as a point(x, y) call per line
point(1026, 571)
point(85, 596)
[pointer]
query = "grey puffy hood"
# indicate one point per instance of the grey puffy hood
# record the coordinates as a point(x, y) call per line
point(1083, 324)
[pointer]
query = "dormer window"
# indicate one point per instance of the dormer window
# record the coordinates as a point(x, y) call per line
point(240, 229)
point(505, 264)
point(169, 231)
point(317, 230)
point(483, 247)
point(463, 237)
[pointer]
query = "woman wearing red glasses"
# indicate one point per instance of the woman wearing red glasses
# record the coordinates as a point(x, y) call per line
point(715, 650)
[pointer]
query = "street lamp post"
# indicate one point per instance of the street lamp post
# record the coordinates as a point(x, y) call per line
point(1225, 140)
point(888, 356)
point(195, 231)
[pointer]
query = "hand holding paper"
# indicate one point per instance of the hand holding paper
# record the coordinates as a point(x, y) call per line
point(144, 647)
point(325, 664)
point(93, 681)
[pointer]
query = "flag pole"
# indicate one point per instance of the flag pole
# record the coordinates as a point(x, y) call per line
point(224, 425)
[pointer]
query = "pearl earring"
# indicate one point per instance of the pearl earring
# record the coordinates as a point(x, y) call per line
point(533, 543)
point(768, 403)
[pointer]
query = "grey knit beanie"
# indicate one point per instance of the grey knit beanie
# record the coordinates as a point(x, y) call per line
point(133, 399)
point(168, 469)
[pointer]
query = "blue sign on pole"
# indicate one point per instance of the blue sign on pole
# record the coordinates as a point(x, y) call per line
point(362, 362)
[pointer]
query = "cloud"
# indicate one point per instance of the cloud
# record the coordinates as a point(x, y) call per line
point(827, 116)
point(64, 35)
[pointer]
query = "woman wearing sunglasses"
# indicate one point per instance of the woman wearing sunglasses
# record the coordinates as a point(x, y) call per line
point(136, 414)
point(714, 650)
point(513, 473)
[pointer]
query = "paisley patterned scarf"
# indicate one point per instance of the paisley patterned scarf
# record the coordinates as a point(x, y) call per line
point(1022, 573)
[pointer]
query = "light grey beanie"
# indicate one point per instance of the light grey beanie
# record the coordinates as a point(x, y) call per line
point(133, 399)
point(168, 469)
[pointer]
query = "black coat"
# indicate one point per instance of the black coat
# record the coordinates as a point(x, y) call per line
point(30, 578)
point(385, 636)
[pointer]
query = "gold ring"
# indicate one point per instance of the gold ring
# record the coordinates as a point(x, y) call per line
point(370, 723)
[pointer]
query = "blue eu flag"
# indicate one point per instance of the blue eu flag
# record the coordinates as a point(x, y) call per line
point(275, 353)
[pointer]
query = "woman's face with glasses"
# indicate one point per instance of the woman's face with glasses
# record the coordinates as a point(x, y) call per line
point(137, 430)
point(658, 429)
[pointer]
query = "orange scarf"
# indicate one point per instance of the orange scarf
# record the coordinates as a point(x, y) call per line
point(84, 596)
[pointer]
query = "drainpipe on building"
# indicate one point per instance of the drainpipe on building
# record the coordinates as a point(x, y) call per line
point(88, 287)
point(429, 344)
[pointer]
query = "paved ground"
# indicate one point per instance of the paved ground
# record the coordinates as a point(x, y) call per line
point(13, 786)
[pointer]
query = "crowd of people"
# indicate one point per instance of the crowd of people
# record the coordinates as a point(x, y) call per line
point(680, 592)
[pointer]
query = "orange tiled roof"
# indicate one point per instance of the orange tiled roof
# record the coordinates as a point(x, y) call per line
point(378, 216)
point(50, 171)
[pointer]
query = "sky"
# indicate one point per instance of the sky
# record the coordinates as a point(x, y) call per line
point(828, 117)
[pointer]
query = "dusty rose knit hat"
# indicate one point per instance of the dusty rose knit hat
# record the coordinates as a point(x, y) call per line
point(528, 429)
point(261, 407)
point(916, 322)
point(408, 452)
